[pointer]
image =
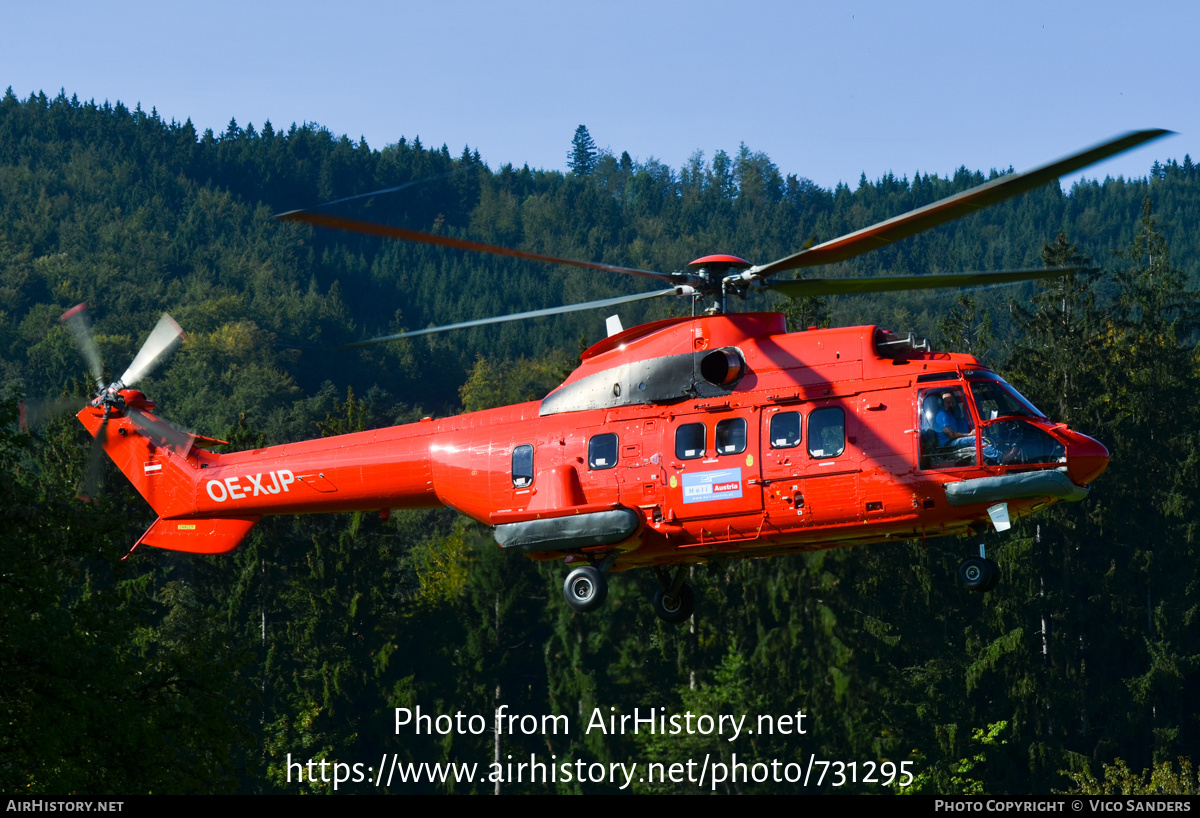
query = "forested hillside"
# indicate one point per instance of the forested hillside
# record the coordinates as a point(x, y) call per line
point(175, 673)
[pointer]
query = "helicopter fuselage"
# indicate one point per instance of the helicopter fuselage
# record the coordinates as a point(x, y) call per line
point(674, 442)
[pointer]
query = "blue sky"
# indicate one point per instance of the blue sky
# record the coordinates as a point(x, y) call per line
point(828, 90)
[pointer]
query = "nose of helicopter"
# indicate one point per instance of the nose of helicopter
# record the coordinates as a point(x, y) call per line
point(1086, 459)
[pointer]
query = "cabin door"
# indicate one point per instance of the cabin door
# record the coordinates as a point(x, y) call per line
point(712, 465)
point(811, 465)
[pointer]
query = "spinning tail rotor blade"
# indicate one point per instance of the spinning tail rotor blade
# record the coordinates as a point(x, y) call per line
point(90, 489)
point(952, 207)
point(162, 433)
point(166, 336)
point(587, 305)
point(34, 413)
point(76, 321)
point(810, 287)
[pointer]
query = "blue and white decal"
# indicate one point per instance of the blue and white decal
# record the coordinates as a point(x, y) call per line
point(706, 486)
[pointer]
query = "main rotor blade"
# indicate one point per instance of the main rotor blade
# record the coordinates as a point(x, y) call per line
point(810, 287)
point(587, 305)
point(952, 207)
point(386, 231)
point(382, 192)
point(76, 320)
point(163, 340)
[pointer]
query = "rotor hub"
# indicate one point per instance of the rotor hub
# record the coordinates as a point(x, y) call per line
point(712, 270)
point(110, 398)
point(713, 275)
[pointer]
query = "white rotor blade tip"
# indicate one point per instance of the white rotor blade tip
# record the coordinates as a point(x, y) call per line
point(77, 322)
point(167, 335)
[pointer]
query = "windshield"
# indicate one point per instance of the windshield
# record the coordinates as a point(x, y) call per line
point(996, 399)
point(1016, 443)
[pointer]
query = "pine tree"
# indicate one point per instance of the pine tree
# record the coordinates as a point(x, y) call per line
point(963, 330)
point(582, 158)
point(1057, 359)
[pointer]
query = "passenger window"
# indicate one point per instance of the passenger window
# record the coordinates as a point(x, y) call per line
point(602, 451)
point(785, 430)
point(731, 436)
point(827, 432)
point(522, 466)
point(690, 440)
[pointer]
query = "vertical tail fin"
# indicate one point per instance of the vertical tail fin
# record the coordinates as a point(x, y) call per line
point(167, 475)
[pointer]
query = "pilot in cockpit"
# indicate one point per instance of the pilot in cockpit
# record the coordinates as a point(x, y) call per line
point(953, 425)
point(956, 431)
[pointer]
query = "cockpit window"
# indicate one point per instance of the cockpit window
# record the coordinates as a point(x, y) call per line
point(731, 436)
point(996, 399)
point(1015, 442)
point(947, 429)
point(690, 440)
point(522, 466)
point(602, 452)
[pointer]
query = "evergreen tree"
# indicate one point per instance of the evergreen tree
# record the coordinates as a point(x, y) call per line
point(582, 158)
point(962, 330)
point(1057, 356)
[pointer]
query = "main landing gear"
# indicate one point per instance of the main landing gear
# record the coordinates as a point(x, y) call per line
point(978, 573)
point(673, 601)
point(586, 588)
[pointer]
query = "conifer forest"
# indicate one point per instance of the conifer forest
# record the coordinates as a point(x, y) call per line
point(176, 673)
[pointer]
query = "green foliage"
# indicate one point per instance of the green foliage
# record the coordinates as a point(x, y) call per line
point(964, 330)
point(103, 665)
point(957, 777)
point(729, 693)
point(502, 383)
point(1118, 779)
point(807, 312)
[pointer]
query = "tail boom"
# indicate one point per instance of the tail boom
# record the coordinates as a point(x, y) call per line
point(207, 503)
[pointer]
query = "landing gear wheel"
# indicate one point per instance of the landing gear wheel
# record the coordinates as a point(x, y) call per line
point(585, 588)
point(674, 609)
point(978, 574)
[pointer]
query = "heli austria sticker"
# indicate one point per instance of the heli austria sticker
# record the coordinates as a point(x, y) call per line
point(706, 486)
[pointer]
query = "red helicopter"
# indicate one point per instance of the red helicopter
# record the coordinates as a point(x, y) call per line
point(677, 442)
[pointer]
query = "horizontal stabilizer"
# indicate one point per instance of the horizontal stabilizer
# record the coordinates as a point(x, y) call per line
point(205, 535)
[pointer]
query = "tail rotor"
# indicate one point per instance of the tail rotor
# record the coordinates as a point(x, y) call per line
point(164, 339)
